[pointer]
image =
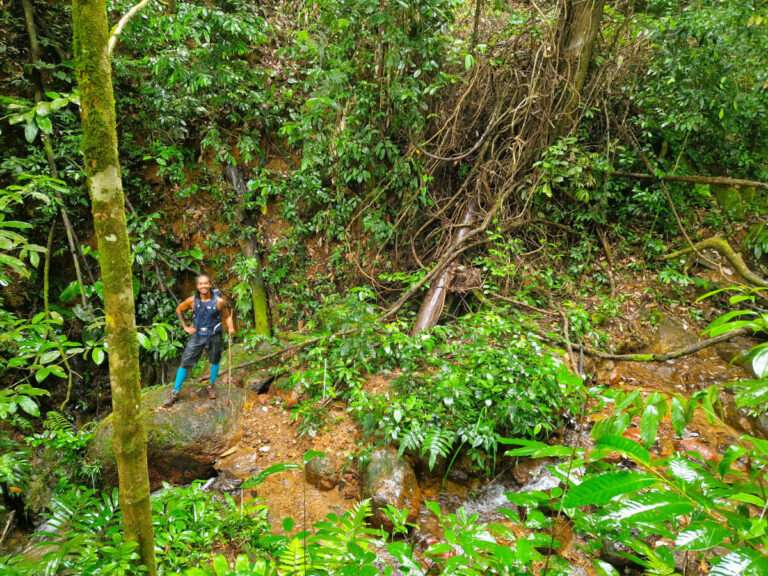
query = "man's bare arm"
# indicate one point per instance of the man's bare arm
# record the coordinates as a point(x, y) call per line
point(185, 306)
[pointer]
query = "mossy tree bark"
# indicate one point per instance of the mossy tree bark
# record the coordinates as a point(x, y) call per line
point(99, 144)
point(580, 25)
point(250, 252)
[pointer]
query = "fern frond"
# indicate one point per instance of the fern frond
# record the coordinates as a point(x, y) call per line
point(413, 438)
point(58, 424)
point(437, 442)
point(293, 560)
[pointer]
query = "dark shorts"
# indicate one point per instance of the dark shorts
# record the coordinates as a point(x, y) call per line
point(195, 346)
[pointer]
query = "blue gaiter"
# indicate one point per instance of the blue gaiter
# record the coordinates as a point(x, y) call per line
point(214, 372)
point(181, 373)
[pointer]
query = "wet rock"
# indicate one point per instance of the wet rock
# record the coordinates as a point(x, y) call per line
point(734, 350)
point(530, 469)
point(323, 472)
point(389, 479)
point(258, 381)
point(695, 445)
point(674, 334)
point(183, 441)
point(227, 482)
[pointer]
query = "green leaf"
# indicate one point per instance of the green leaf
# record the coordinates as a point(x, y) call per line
point(732, 453)
point(536, 449)
point(29, 406)
point(655, 408)
point(600, 489)
point(602, 568)
point(702, 536)
point(743, 562)
point(311, 455)
point(267, 472)
point(98, 356)
point(42, 374)
point(679, 420)
point(144, 341)
point(71, 291)
point(30, 131)
point(752, 393)
point(626, 446)
point(749, 499)
point(653, 507)
point(45, 124)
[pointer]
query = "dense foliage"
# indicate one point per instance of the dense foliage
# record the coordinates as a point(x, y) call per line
point(328, 109)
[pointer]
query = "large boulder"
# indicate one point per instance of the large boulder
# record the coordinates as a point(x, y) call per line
point(323, 472)
point(389, 479)
point(183, 441)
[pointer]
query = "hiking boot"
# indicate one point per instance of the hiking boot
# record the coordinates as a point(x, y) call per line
point(172, 399)
point(212, 391)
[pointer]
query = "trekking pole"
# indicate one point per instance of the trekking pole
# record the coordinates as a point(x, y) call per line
point(229, 368)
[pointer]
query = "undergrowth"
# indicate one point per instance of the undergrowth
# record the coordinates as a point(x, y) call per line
point(465, 385)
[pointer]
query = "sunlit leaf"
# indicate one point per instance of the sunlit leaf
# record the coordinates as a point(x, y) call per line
point(601, 489)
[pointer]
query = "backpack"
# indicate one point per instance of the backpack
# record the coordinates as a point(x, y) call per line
point(215, 294)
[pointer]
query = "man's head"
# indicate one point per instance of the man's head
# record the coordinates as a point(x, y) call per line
point(203, 286)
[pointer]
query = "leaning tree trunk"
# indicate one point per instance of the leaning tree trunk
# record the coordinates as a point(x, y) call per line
point(255, 280)
point(93, 70)
point(34, 56)
point(434, 301)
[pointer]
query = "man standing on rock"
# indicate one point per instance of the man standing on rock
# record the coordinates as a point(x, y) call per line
point(209, 312)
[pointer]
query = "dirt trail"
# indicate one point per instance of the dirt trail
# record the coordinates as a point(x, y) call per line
point(271, 437)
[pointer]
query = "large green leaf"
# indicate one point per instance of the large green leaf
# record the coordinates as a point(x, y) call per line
point(655, 409)
point(624, 445)
point(536, 449)
point(680, 417)
point(267, 472)
point(731, 455)
point(702, 536)
point(600, 489)
point(743, 562)
point(653, 507)
point(752, 392)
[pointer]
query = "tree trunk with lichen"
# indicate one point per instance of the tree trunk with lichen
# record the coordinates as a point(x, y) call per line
point(580, 25)
point(97, 108)
point(255, 279)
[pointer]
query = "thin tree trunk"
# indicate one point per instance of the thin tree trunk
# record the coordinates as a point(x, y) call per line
point(256, 280)
point(34, 56)
point(93, 70)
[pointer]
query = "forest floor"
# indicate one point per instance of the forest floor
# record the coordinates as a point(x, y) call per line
point(272, 434)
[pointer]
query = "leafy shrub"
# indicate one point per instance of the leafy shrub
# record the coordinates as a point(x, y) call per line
point(83, 533)
point(489, 378)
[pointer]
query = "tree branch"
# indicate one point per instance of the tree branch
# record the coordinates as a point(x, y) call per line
point(117, 30)
point(693, 179)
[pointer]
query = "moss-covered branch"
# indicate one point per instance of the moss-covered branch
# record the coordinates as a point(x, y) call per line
point(652, 357)
point(723, 247)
